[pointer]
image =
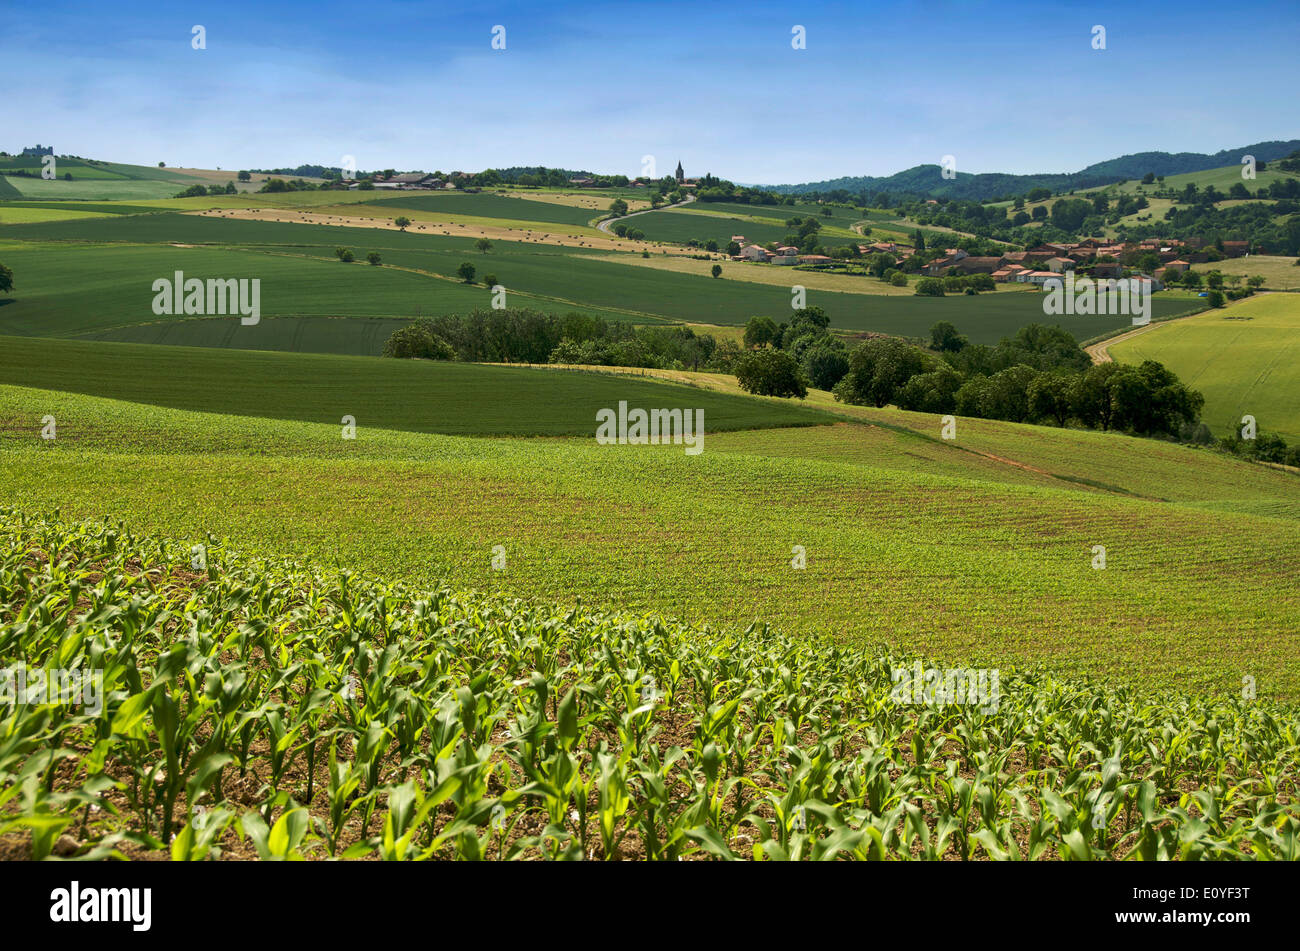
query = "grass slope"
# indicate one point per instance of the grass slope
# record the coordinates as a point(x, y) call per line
point(951, 564)
point(416, 395)
point(113, 290)
point(1245, 359)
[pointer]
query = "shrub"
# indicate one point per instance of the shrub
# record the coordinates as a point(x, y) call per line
point(417, 341)
point(373, 257)
point(929, 287)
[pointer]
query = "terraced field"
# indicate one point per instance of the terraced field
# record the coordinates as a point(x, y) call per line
point(1244, 359)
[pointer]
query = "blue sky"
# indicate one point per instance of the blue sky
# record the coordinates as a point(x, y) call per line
point(1008, 86)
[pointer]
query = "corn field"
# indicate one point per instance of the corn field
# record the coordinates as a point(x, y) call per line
point(261, 709)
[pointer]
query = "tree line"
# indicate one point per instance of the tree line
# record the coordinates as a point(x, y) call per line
point(1040, 375)
point(523, 335)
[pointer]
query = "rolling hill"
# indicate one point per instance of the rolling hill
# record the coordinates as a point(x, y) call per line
point(926, 180)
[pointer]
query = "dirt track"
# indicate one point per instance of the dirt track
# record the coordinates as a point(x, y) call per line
point(1100, 352)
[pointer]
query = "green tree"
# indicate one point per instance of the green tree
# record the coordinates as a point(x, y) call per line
point(716, 270)
point(1149, 399)
point(466, 272)
point(244, 177)
point(483, 245)
point(1004, 395)
point(1050, 395)
point(929, 287)
point(6, 280)
point(618, 207)
point(760, 331)
point(944, 336)
point(932, 392)
point(402, 222)
point(825, 363)
point(1091, 396)
point(877, 368)
point(373, 257)
point(769, 372)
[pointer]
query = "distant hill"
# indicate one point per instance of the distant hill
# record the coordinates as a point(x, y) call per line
point(926, 180)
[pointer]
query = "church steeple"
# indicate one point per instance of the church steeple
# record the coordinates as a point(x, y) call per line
point(681, 176)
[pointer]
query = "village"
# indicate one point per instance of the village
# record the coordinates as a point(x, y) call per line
point(1040, 265)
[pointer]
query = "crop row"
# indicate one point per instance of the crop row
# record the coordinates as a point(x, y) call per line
point(264, 709)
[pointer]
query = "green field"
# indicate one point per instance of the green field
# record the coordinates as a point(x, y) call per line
point(910, 542)
point(302, 278)
point(1279, 272)
point(415, 395)
point(482, 205)
point(336, 715)
point(1245, 359)
point(1221, 178)
point(9, 214)
point(113, 296)
point(92, 189)
point(705, 221)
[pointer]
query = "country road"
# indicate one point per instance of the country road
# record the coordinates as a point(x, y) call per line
point(1100, 351)
point(605, 224)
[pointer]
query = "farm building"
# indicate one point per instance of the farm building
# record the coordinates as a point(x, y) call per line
point(979, 265)
point(1008, 273)
point(1040, 278)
